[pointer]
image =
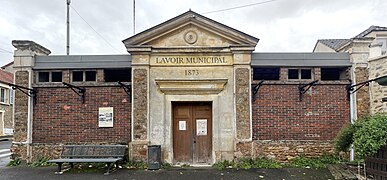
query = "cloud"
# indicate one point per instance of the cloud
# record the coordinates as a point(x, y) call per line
point(282, 25)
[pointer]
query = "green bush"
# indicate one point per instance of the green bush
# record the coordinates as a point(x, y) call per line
point(371, 136)
point(344, 139)
point(367, 135)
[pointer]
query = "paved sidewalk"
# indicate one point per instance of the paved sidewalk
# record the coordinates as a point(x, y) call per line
point(47, 173)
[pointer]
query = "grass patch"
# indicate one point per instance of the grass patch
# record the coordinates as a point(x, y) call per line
point(247, 163)
point(15, 162)
point(314, 162)
point(42, 162)
point(298, 162)
point(166, 166)
point(224, 164)
point(89, 167)
point(136, 165)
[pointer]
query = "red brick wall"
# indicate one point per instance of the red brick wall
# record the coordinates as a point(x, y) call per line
point(279, 115)
point(60, 116)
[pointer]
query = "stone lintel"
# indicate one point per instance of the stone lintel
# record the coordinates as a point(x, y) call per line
point(30, 45)
point(191, 86)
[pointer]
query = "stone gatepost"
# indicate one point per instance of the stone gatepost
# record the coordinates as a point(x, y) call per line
point(140, 103)
point(359, 52)
point(24, 60)
point(242, 75)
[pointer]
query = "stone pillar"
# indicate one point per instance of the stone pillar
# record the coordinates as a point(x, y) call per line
point(24, 60)
point(375, 50)
point(359, 52)
point(378, 68)
point(243, 121)
point(140, 107)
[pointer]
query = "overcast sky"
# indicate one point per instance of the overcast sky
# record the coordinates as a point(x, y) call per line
point(281, 25)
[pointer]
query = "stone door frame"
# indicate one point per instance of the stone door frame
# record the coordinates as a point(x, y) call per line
point(169, 99)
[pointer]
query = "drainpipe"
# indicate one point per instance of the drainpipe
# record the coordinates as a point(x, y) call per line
point(29, 121)
point(353, 110)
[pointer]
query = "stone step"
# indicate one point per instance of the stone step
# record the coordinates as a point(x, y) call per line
point(341, 171)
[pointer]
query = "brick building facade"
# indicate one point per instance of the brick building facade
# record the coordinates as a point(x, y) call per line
point(193, 86)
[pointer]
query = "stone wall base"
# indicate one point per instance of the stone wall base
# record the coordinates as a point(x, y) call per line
point(40, 150)
point(19, 151)
point(283, 151)
point(138, 151)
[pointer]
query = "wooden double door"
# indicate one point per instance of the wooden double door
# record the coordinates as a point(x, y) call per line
point(192, 132)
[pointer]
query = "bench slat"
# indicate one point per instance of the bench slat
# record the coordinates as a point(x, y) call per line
point(84, 160)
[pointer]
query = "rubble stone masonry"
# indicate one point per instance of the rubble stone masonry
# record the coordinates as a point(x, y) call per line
point(362, 95)
point(242, 103)
point(378, 68)
point(21, 107)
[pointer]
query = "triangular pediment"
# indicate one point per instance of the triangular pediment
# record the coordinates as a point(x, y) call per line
point(190, 30)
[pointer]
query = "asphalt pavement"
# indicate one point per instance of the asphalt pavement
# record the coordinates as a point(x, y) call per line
point(47, 173)
point(190, 173)
point(5, 152)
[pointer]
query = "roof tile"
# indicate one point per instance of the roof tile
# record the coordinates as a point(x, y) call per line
point(6, 77)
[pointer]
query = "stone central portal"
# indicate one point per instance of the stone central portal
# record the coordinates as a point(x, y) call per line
point(179, 63)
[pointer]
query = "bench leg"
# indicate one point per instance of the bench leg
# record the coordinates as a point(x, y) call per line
point(72, 165)
point(59, 168)
point(108, 168)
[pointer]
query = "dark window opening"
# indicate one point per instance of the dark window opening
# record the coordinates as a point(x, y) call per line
point(114, 75)
point(266, 73)
point(331, 74)
point(78, 76)
point(306, 74)
point(91, 75)
point(293, 74)
point(44, 76)
point(56, 77)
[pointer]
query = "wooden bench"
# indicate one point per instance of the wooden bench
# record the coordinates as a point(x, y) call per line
point(108, 154)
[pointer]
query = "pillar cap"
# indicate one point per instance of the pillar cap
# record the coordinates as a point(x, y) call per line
point(30, 45)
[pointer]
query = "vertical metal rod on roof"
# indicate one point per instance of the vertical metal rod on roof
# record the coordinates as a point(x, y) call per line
point(134, 17)
point(68, 28)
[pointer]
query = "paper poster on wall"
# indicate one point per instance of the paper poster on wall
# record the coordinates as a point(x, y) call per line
point(201, 127)
point(182, 125)
point(105, 117)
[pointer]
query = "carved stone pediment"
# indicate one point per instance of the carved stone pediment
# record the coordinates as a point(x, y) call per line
point(189, 30)
point(191, 86)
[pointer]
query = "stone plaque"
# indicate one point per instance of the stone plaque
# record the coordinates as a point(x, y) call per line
point(178, 60)
point(190, 37)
